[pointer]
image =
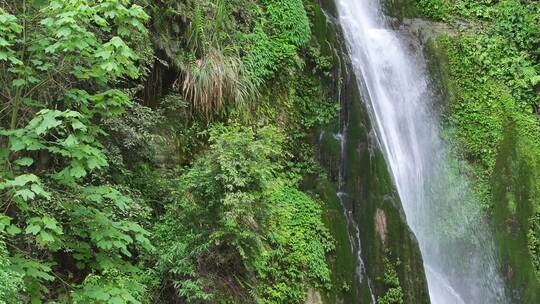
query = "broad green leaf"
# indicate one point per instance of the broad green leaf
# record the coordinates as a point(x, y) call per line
point(117, 300)
point(18, 82)
point(70, 142)
point(109, 66)
point(78, 125)
point(52, 224)
point(14, 60)
point(13, 230)
point(25, 194)
point(535, 80)
point(98, 294)
point(100, 21)
point(26, 161)
point(4, 55)
point(4, 222)
point(104, 54)
point(117, 42)
point(38, 190)
point(32, 229)
point(17, 144)
point(48, 121)
point(22, 180)
point(63, 32)
point(46, 237)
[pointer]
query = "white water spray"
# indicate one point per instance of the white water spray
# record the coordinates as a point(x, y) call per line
point(440, 208)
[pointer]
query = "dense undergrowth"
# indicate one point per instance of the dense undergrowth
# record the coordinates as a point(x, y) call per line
point(491, 66)
point(152, 152)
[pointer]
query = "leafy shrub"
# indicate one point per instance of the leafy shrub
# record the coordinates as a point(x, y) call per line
point(394, 294)
point(289, 21)
point(436, 9)
point(111, 286)
point(266, 56)
point(238, 226)
point(11, 284)
point(297, 246)
point(133, 135)
point(58, 70)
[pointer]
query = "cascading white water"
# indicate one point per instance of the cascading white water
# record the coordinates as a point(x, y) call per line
point(441, 210)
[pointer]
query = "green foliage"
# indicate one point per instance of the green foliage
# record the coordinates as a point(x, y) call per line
point(58, 61)
point(394, 294)
point(238, 224)
point(298, 242)
point(275, 49)
point(491, 80)
point(493, 73)
point(79, 157)
point(10, 281)
point(313, 107)
point(289, 21)
point(111, 286)
point(181, 134)
point(533, 238)
point(265, 56)
point(276, 39)
point(203, 46)
point(436, 9)
point(132, 136)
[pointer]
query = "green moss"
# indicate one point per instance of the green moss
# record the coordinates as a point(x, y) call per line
point(533, 237)
point(515, 196)
point(437, 60)
point(342, 261)
point(487, 79)
point(299, 246)
point(401, 8)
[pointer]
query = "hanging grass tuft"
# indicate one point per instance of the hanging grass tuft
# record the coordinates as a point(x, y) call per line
point(213, 81)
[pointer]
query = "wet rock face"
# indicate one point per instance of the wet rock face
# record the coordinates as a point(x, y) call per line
point(424, 30)
point(372, 197)
point(513, 200)
point(380, 225)
point(314, 297)
point(400, 8)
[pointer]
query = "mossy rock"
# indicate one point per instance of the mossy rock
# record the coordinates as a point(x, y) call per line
point(514, 184)
point(400, 9)
point(512, 194)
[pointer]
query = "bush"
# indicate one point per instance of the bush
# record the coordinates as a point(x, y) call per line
point(11, 284)
point(237, 225)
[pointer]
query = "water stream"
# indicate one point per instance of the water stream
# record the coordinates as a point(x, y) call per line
point(441, 210)
point(354, 230)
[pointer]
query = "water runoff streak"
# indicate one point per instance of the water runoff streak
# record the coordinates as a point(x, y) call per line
point(455, 243)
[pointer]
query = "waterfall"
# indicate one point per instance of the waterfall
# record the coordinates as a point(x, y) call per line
point(441, 209)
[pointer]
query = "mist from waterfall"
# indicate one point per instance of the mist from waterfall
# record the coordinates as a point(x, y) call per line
point(442, 211)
